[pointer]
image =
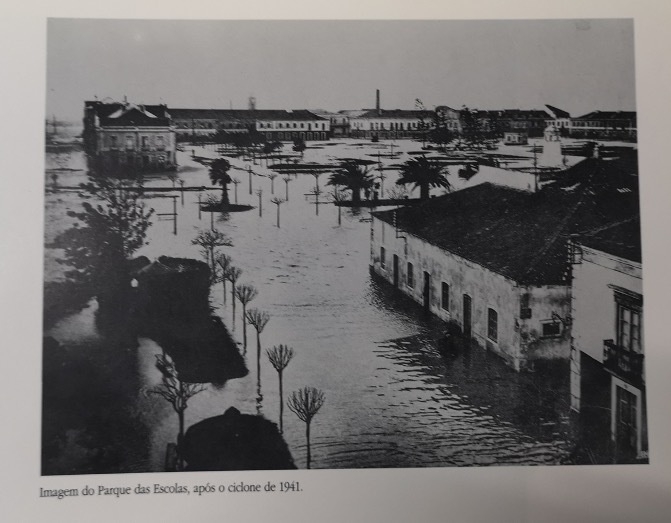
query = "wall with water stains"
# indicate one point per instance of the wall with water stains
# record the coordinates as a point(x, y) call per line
point(520, 337)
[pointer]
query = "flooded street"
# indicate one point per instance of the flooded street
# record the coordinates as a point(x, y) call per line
point(391, 399)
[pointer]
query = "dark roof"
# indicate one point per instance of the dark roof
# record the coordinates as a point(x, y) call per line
point(395, 113)
point(608, 115)
point(244, 114)
point(513, 114)
point(521, 235)
point(621, 239)
point(124, 114)
point(559, 113)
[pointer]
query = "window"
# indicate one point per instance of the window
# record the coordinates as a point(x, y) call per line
point(302, 126)
point(382, 257)
point(628, 319)
point(113, 142)
point(160, 144)
point(129, 142)
point(445, 296)
point(629, 328)
point(492, 324)
point(410, 277)
point(525, 310)
point(551, 329)
point(145, 142)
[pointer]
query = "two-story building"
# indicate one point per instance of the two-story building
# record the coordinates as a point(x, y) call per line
point(494, 260)
point(607, 347)
point(280, 125)
point(605, 124)
point(274, 124)
point(124, 135)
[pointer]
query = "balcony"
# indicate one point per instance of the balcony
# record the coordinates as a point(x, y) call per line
point(623, 363)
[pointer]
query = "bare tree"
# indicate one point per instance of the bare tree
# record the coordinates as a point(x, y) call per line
point(245, 294)
point(272, 177)
point(305, 403)
point(236, 182)
point(176, 392)
point(172, 176)
point(258, 319)
point(232, 275)
point(225, 262)
point(208, 241)
point(336, 197)
point(280, 356)
point(277, 201)
point(316, 175)
point(287, 179)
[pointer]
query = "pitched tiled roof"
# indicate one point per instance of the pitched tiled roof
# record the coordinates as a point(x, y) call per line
point(621, 239)
point(521, 235)
point(608, 115)
point(113, 114)
point(394, 113)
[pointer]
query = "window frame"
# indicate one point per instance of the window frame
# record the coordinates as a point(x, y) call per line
point(492, 314)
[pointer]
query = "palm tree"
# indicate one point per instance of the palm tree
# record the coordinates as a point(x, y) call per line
point(424, 174)
point(280, 356)
point(305, 403)
point(219, 176)
point(353, 176)
point(245, 294)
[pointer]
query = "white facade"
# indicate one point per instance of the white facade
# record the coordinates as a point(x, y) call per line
point(520, 323)
point(607, 308)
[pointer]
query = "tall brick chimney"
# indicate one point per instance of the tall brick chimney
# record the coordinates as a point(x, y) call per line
point(377, 101)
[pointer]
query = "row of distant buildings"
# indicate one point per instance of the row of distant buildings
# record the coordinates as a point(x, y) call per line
point(537, 276)
point(144, 136)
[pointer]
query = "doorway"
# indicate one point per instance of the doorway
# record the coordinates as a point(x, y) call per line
point(395, 270)
point(427, 292)
point(467, 316)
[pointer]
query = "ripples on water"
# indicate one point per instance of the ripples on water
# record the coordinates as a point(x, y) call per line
point(391, 399)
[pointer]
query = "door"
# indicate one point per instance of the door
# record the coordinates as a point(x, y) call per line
point(467, 317)
point(626, 429)
point(395, 270)
point(427, 292)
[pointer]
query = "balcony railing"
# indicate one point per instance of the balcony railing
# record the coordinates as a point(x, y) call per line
point(623, 362)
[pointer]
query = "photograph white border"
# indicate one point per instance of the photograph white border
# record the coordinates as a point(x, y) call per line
point(516, 494)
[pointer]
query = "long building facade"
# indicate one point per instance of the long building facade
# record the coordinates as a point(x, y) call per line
point(274, 125)
point(494, 261)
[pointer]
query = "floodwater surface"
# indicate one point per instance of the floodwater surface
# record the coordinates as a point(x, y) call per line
point(392, 400)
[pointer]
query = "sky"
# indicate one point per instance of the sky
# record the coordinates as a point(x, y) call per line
point(576, 65)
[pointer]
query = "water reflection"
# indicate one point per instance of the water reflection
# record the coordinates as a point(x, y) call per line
point(392, 400)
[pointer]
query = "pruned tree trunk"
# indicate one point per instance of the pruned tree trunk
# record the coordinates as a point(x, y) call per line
point(307, 437)
point(281, 405)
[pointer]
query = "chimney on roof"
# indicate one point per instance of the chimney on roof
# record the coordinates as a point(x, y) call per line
point(377, 101)
point(125, 99)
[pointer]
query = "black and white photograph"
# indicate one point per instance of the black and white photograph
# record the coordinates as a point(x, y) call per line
point(341, 244)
